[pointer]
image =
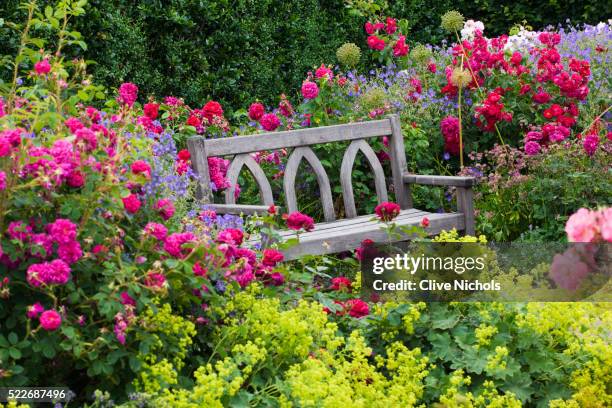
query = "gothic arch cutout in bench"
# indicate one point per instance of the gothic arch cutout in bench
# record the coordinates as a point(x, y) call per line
point(332, 235)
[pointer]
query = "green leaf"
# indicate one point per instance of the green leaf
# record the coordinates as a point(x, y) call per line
point(15, 353)
point(12, 338)
point(48, 350)
point(3, 341)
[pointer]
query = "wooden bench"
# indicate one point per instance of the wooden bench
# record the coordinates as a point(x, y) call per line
point(332, 235)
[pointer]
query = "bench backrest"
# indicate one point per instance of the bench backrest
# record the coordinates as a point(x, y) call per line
point(300, 140)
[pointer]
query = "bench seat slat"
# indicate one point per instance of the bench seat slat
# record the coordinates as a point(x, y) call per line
point(357, 222)
point(338, 238)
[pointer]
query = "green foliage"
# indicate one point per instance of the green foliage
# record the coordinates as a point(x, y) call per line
point(549, 187)
point(241, 51)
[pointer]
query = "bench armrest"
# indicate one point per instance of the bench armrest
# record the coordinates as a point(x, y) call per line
point(432, 180)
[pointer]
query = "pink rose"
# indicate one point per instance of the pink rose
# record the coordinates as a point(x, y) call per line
point(128, 92)
point(141, 167)
point(131, 203)
point(156, 230)
point(231, 236)
point(297, 221)
point(42, 67)
point(532, 148)
point(310, 90)
point(50, 320)
point(569, 269)
point(34, 310)
point(590, 143)
point(605, 224)
point(582, 226)
point(62, 231)
point(270, 122)
point(323, 72)
point(165, 207)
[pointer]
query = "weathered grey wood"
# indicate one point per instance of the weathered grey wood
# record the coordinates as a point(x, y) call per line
point(344, 240)
point(433, 180)
point(465, 205)
point(357, 221)
point(414, 218)
point(238, 209)
point(397, 153)
point(297, 138)
point(346, 170)
point(260, 177)
point(199, 158)
point(291, 169)
point(332, 236)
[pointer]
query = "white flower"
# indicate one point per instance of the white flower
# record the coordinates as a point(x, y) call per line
point(469, 29)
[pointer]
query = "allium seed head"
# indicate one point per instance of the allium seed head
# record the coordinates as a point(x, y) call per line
point(452, 21)
point(349, 55)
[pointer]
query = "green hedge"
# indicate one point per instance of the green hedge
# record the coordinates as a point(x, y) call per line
point(236, 51)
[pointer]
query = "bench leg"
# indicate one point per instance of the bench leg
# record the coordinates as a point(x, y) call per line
point(465, 205)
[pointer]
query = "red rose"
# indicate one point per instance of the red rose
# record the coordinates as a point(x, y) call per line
point(272, 210)
point(357, 308)
point(340, 283)
point(76, 179)
point(271, 257)
point(212, 109)
point(425, 222)
point(400, 48)
point(297, 221)
point(567, 121)
point(387, 211)
point(184, 155)
point(556, 109)
point(391, 25)
point(379, 26)
point(547, 114)
point(151, 110)
point(376, 43)
point(369, 28)
point(541, 97)
point(194, 121)
point(516, 58)
point(524, 89)
point(256, 111)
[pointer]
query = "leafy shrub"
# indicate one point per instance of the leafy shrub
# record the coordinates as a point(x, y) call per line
point(208, 49)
